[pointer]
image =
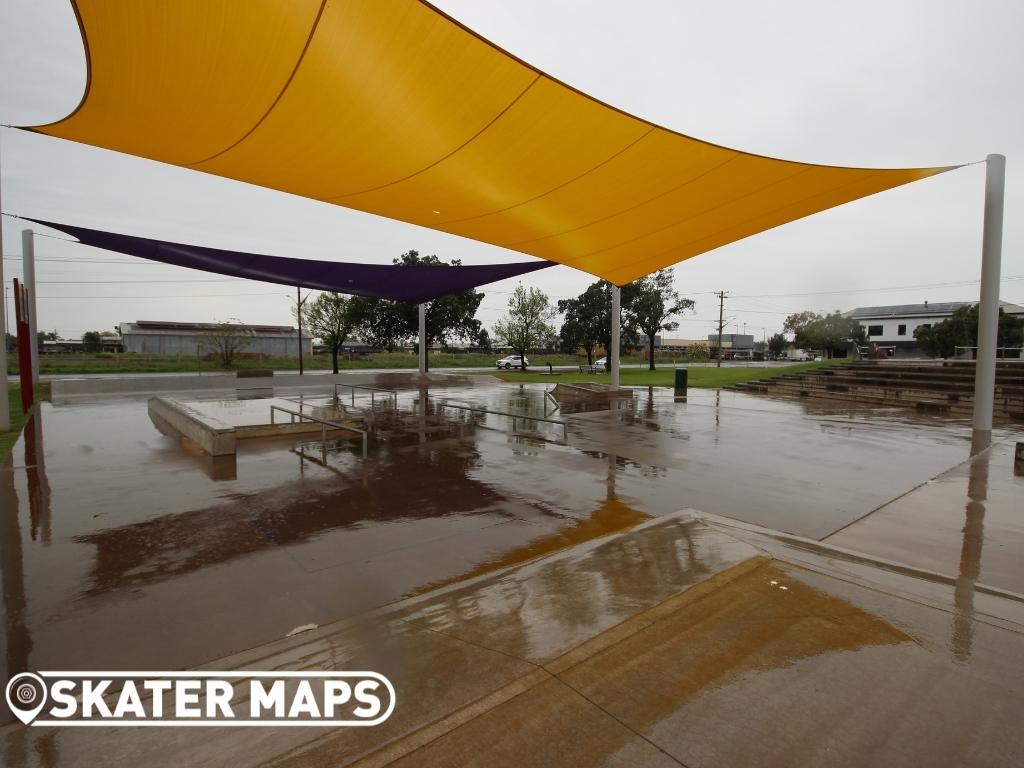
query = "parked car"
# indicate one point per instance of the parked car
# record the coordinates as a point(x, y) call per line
point(601, 362)
point(513, 361)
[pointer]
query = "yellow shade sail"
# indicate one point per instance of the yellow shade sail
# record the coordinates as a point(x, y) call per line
point(393, 108)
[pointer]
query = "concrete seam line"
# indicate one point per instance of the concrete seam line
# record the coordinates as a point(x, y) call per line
point(850, 555)
point(408, 743)
point(905, 493)
point(624, 724)
point(996, 622)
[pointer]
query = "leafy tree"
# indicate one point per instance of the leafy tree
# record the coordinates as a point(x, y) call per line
point(226, 340)
point(824, 332)
point(483, 340)
point(777, 344)
point(961, 329)
point(649, 304)
point(801, 326)
point(587, 320)
point(385, 323)
point(379, 322)
point(331, 319)
point(835, 331)
point(527, 325)
point(91, 341)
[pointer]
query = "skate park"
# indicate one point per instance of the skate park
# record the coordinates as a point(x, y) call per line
point(619, 575)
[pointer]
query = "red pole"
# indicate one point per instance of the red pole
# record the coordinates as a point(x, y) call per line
point(24, 351)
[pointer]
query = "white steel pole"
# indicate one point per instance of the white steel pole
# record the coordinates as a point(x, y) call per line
point(613, 353)
point(28, 265)
point(988, 312)
point(423, 338)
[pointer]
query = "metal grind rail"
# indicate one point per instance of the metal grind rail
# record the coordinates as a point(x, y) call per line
point(513, 416)
point(324, 424)
point(371, 390)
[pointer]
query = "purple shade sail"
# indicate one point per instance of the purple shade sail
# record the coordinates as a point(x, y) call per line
point(414, 284)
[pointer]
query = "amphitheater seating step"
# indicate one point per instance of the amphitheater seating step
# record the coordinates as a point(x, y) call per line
point(943, 386)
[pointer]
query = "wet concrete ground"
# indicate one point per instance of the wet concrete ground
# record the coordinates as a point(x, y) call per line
point(124, 548)
point(680, 642)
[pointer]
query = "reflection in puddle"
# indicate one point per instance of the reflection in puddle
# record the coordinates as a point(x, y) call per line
point(764, 620)
point(970, 556)
point(610, 517)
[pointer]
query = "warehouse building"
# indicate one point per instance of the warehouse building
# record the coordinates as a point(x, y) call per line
point(167, 338)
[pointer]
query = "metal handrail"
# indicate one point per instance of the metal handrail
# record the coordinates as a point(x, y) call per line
point(513, 416)
point(957, 348)
point(324, 423)
point(551, 397)
point(371, 390)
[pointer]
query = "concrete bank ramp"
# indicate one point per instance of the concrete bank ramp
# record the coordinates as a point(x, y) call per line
point(680, 641)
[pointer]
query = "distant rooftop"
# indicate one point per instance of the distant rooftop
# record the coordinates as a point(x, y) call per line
point(929, 309)
point(171, 327)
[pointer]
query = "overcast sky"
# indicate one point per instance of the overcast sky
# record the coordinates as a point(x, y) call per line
point(872, 83)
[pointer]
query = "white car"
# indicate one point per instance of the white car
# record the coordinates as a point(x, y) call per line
point(601, 362)
point(513, 361)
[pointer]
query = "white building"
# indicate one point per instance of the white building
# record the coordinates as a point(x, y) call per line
point(893, 326)
point(166, 338)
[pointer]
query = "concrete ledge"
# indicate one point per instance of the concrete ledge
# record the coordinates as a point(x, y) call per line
point(155, 384)
point(144, 385)
point(588, 391)
point(212, 435)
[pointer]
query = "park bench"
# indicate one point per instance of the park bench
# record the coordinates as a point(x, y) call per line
point(584, 368)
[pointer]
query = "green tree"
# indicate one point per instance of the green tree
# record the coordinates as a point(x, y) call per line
point(587, 319)
point(527, 325)
point(483, 340)
point(777, 344)
point(650, 303)
point(331, 319)
point(824, 332)
point(385, 323)
point(91, 341)
point(378, 323)
point(802, 326)
point(961, 330)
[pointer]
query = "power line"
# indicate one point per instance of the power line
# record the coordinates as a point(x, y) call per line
point(1006, 278)
point(169, 296)
point(135, 282)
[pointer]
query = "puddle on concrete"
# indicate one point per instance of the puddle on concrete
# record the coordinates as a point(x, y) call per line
point(123, 547)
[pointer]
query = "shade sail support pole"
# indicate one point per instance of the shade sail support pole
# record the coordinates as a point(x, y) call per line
point(28, 255)
point(423, 338)
point(988, 310)
point(613, 353)
point(298, 319)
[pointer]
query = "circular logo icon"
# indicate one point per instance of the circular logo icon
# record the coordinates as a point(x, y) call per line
point(26, 696)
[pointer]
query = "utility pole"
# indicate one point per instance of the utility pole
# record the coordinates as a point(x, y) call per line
point(721, 324)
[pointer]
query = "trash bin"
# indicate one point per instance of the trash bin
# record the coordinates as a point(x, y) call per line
point(681, 374)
